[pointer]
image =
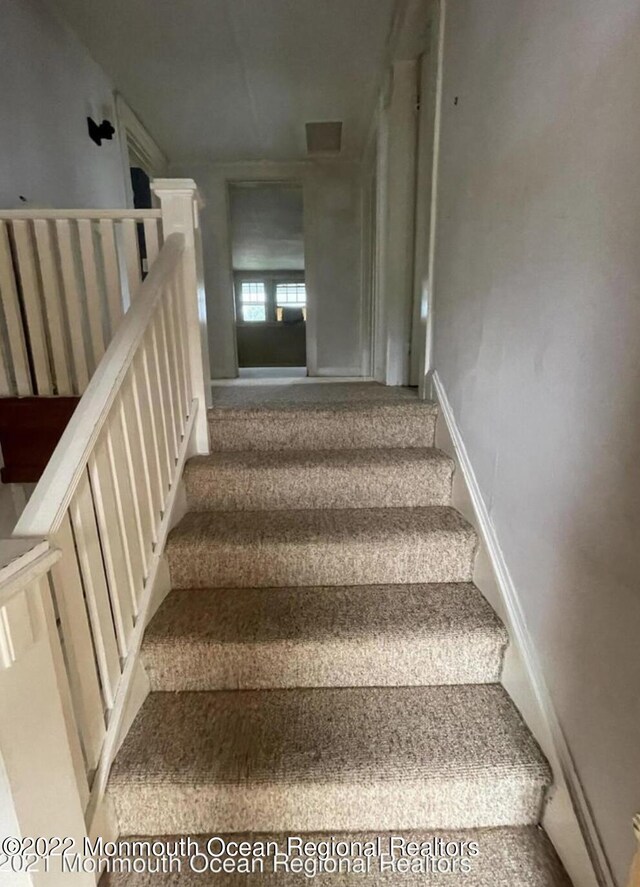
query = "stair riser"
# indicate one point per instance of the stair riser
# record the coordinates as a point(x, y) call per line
point(321, 430)
point(485, 801)
point(366, 486)
point(362, 663)
point(441, 557)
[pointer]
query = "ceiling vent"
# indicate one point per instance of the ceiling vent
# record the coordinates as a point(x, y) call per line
point(324, 138)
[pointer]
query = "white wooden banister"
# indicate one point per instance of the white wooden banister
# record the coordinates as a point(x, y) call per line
point(50, 501)
point(100, 514)
point(66, 278)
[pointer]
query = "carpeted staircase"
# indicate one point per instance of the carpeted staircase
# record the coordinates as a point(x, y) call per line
point(324, 663)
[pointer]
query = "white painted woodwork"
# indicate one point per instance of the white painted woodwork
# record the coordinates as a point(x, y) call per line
point(32, 306)
point(93, 299)
point(106, 499)
point(66, 278)
point(74, 623)
point(131, 257)
point(53, 306)
point(14, 326)
point(42, 781)
point(111, 272)
point(180, 206)
point(73, 303)
point(103, 630)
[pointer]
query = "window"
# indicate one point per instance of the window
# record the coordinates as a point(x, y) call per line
point(270, 296)
point(253, 301)
point(291, 295)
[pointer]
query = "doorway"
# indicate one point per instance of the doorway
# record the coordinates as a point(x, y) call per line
point(267, 253)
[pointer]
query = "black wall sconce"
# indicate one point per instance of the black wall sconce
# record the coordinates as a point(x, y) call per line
point(100, 131)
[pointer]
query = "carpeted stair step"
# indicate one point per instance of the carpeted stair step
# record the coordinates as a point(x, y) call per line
point(373, 478)
point(328, 760)
point(360, 546)
point(217, 639)
point(319, 417)
point(507, 857)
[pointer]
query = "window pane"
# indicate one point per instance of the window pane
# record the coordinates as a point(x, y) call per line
point(252, 313)
point(291, 295)
point(253, 292)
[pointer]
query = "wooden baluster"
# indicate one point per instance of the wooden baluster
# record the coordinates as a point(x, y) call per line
point(182, 340)
point(73, 302)
point(127, 510)
point(12, 316)
point(144, 420)
point(33, 307)
point(92, 289)
point(138, 470)
point(131, 257)
point(112, 545)
point(111, 273)
point(157, 437)
point(53, 305)
point(78, 646)
point(151, 239)
point(172, 407)
point(176, 362)
point(85, 530)
point(165, 408)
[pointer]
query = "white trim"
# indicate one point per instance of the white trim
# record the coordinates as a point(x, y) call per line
point(435, 179)
point(137, 137)
point(567, 817)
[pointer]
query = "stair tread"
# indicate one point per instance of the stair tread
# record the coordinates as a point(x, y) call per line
point(218, 638)
point(349, 546)
point(297, 526)
point(347, 736)
point(348, 478)
point(246, 400)
point(307, 459)
point(324, 613)
point(509, 857)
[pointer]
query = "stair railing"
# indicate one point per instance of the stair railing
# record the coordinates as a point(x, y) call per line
point(99, 518)
point(66, 279)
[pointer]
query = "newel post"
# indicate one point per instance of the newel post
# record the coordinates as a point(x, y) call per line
point(180, 205)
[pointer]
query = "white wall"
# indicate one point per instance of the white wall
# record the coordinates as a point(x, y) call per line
point(49, 87)
point(266, 227)
point(332, 235)
point(537, 343)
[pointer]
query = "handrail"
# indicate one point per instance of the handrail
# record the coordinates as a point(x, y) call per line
point(11, 214)
point(50, 500)
point(21, 562)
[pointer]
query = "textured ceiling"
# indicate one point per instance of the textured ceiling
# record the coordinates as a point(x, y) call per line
point(238, 79)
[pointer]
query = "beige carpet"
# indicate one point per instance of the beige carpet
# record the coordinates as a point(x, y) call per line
point(321, 547)
point(217, 639)
point(382, 478)
point(324, 662)
point(508, 857)
point(312, 417)
point(315, 759)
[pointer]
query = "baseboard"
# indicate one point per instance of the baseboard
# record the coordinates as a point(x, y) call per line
point(567, 817)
